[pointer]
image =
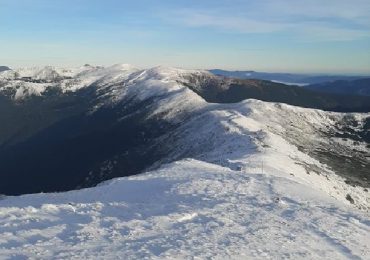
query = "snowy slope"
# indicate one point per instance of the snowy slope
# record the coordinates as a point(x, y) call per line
point(256, 185)
point(186, 210)
point(253, 135)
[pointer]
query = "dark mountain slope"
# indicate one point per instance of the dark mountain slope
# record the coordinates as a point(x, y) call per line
point(83, 150)
point(24, 118)
point(228, 90)
point(354, 87)
point(4, 68)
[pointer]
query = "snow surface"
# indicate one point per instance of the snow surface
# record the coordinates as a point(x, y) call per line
point(246, 192)
point(186, 210)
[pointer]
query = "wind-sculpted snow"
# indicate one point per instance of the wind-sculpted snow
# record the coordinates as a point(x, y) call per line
point(189, 209)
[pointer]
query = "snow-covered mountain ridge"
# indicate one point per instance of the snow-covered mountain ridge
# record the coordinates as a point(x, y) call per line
point(171, 100)
point(259, 173)
point(25, 82)
point(226, 134)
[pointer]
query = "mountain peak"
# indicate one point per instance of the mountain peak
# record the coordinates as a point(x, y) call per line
point(122, 66)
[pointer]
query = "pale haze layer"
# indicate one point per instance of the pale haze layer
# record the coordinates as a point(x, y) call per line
point(313, 36)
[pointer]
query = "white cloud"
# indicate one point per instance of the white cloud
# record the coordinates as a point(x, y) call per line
point(354, 10)
point(314, 20)
point(240, 24)
point(322, 33)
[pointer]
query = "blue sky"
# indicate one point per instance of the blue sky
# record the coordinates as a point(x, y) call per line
point(331, 36)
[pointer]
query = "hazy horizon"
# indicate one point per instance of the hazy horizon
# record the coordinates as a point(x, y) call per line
point(269, 35)
point(194, 68)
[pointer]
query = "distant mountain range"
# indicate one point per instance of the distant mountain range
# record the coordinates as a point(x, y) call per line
point(287, 78)
point(351, 87)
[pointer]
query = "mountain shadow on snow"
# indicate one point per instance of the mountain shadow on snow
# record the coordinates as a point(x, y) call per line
point(80, 150)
